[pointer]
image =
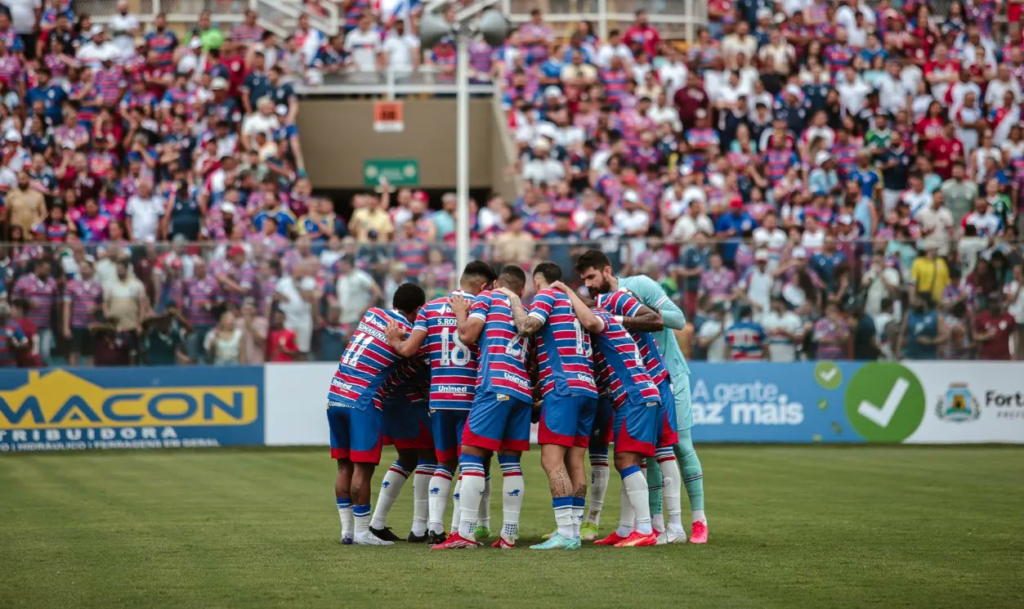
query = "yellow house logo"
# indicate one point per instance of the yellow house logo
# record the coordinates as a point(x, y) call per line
point(61, 400)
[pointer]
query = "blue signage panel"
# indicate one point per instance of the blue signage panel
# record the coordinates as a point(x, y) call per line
point(763, 402)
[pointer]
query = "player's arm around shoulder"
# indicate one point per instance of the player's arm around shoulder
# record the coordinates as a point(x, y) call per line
point(470, 315)
point(590, 322)
point(651, 294)
point(527, 323)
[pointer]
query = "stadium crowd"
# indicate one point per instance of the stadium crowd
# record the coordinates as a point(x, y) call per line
point(807, 179)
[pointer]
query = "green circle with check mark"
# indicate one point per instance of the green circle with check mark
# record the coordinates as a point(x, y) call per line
point(828, 375)
point(885, 402)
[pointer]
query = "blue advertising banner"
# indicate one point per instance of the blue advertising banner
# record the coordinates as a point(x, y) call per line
point(764, 402)
point(118, 408)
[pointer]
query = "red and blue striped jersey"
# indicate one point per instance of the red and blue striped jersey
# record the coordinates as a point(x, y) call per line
point(564, 353)
point(452, 364)
point(367, 362)
point(746, 339)
point(620, 370)
point(502, 367)
point(623, 304)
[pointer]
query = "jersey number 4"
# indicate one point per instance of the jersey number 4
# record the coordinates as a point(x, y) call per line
point(453, 352)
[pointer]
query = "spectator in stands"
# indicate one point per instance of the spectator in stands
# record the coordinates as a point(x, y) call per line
point(745, 339)
point(38, 292)
point(995, 332)
point(923, 329)
point(163, 339)
point(224, 344)
point(281, 343)
point(298, 298)
point(83, 298)
point(930, 273)
point(831, 334)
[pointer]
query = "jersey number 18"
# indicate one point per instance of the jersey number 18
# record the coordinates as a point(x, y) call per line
point(452, 349)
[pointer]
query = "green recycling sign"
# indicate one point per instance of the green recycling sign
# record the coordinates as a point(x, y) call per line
point(885, 402)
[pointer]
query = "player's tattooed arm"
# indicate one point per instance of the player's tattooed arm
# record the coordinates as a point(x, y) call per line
point(587, 318)
point(527, 326)
point(646, 320)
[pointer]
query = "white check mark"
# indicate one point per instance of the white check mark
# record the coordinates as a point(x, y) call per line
point(882, 416)
point(828, 376)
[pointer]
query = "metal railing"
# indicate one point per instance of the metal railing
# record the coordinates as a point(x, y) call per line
point(674, 18)
point(278, 16)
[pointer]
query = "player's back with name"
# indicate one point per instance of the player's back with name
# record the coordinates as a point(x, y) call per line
point(367, 362)
point(564, 350)
point(453, 365)
point(621, 372)
point(502, 367)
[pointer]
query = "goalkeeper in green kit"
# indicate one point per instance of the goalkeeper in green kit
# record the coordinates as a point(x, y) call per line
point(595, 270)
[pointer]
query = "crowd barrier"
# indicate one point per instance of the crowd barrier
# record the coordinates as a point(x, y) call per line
point(283, 405)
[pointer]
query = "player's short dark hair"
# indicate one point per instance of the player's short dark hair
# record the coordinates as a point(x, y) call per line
point(592, 259)
point(480, 271)
point(551, 271)
point(513, 277)
point(409, 297)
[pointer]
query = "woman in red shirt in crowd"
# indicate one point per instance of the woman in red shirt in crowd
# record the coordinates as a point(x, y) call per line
point(281, 346)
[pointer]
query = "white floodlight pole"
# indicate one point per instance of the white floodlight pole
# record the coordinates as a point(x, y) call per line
point(462, 223)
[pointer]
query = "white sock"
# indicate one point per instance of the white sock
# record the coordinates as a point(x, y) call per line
point(635, 486)
point(579, 506)
point(698, 516)
point(512, 493)
point(456, 506)
point(345, 513)
point(421, 497)
point(485, 504)
point(672, 488)
point(390, 487)
point(472, 493)
point(599, 474)
point(362, 518)
point(627, 517)
point(563, 515)
point(440, 487)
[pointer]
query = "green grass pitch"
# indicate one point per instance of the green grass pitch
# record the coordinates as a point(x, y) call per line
point(790, 527)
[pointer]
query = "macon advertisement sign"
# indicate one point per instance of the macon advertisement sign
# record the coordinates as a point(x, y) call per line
point(111, 408)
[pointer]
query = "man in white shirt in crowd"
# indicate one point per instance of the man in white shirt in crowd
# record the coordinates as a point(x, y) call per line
point(355, 291)
point(673, 72)
point(363, 45)
point(264, 120)
point(144, 212)
point(25, 16)
point(124, 27)
point(401, 50)
point(917, 198)
point(93, 53)
point(297, 298)
point(693, 221)
point(613, 48)
point(542, 169)
point(936, 223)
point(711, 336)
point(784, 329)
point(755, 287)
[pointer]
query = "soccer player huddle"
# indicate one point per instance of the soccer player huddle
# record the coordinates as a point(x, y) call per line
point(456, 380)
